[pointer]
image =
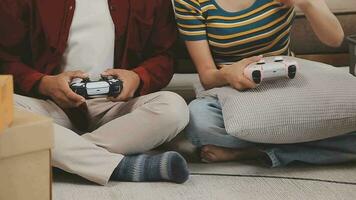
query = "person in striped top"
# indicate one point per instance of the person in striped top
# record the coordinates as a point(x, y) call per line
point(262, 28)
point(225, 36)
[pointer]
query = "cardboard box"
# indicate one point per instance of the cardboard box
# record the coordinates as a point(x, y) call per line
point(6, 101)
point(25, 158)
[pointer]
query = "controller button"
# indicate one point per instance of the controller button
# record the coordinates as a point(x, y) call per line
point(292, 70)
point(278, 59)
point(78, 84)
point(256, 76)
point(261, 62)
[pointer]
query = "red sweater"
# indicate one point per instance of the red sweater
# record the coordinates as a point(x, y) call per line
point(34, 34)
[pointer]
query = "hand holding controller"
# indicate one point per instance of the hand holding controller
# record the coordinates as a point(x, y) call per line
point(106, 86)
point(268, 69)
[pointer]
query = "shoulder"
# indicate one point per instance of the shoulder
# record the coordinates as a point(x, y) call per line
point(190, 2)
point(189, 5)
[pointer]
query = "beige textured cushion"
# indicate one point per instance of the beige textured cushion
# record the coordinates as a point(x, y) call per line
point(319, 103)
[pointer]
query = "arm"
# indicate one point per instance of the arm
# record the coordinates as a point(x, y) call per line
point(192, 27)
point(324, 23)
point(210, 76)
point(12, 35)
point(156, 71)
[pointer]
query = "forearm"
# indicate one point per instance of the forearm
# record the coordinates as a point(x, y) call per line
point(13, 37)
point(324, 23)
point(213, 78)
point(155, 73)
point(157, 69)
point(25, 78)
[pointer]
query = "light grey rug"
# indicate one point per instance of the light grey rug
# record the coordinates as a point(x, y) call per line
point(224, 181)
point(230, 181)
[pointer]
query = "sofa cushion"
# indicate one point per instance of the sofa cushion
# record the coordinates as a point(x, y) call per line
point(319, 103)
point(183, 84)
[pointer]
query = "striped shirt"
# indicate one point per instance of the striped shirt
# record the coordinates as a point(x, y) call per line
point(262, 29)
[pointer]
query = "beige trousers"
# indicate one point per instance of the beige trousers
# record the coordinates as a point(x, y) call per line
point(118, 129)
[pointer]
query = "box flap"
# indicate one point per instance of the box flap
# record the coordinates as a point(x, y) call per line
point(6, 101)
point(28, 133)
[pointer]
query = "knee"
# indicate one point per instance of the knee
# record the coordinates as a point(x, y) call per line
point(201, 123)
point(174, 112)
point(198, 114)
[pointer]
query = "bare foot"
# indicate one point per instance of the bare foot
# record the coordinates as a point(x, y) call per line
point(211, 153)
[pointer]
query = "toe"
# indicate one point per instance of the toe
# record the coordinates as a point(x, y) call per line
point(211, 157)
point(180, 172)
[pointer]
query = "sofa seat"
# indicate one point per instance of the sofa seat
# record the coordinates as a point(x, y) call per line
point(183, 84)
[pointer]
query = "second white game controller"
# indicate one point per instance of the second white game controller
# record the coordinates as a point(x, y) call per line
point(271, 68)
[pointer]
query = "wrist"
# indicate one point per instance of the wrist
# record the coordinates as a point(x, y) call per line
point(138, 84)
point(224, 73)
point(41, 89)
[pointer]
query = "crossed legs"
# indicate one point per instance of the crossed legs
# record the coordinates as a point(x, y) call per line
point(118, 129)
point(206, 130)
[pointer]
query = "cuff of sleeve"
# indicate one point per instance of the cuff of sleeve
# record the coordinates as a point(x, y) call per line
point(144, 87)
point(139, 89)
point(193, 38)
point(29, 84)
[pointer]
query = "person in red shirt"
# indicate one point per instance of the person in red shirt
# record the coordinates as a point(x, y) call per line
point(46, 44)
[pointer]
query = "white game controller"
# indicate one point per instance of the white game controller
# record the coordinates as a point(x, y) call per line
point(106, 86)
point(271, 68)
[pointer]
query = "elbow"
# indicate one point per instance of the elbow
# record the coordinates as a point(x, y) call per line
point(337, 40)
point(206, 84)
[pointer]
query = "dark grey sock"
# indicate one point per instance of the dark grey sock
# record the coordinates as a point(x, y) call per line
point(169, 166)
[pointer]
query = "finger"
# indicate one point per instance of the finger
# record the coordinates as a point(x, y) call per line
point(247, 83)
point(73, 97)
point(110, 72)
point(247, 61)
point(63, 101)
point(237, 86)
point(122, 97)
point(61, 104)
point(78, 74)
